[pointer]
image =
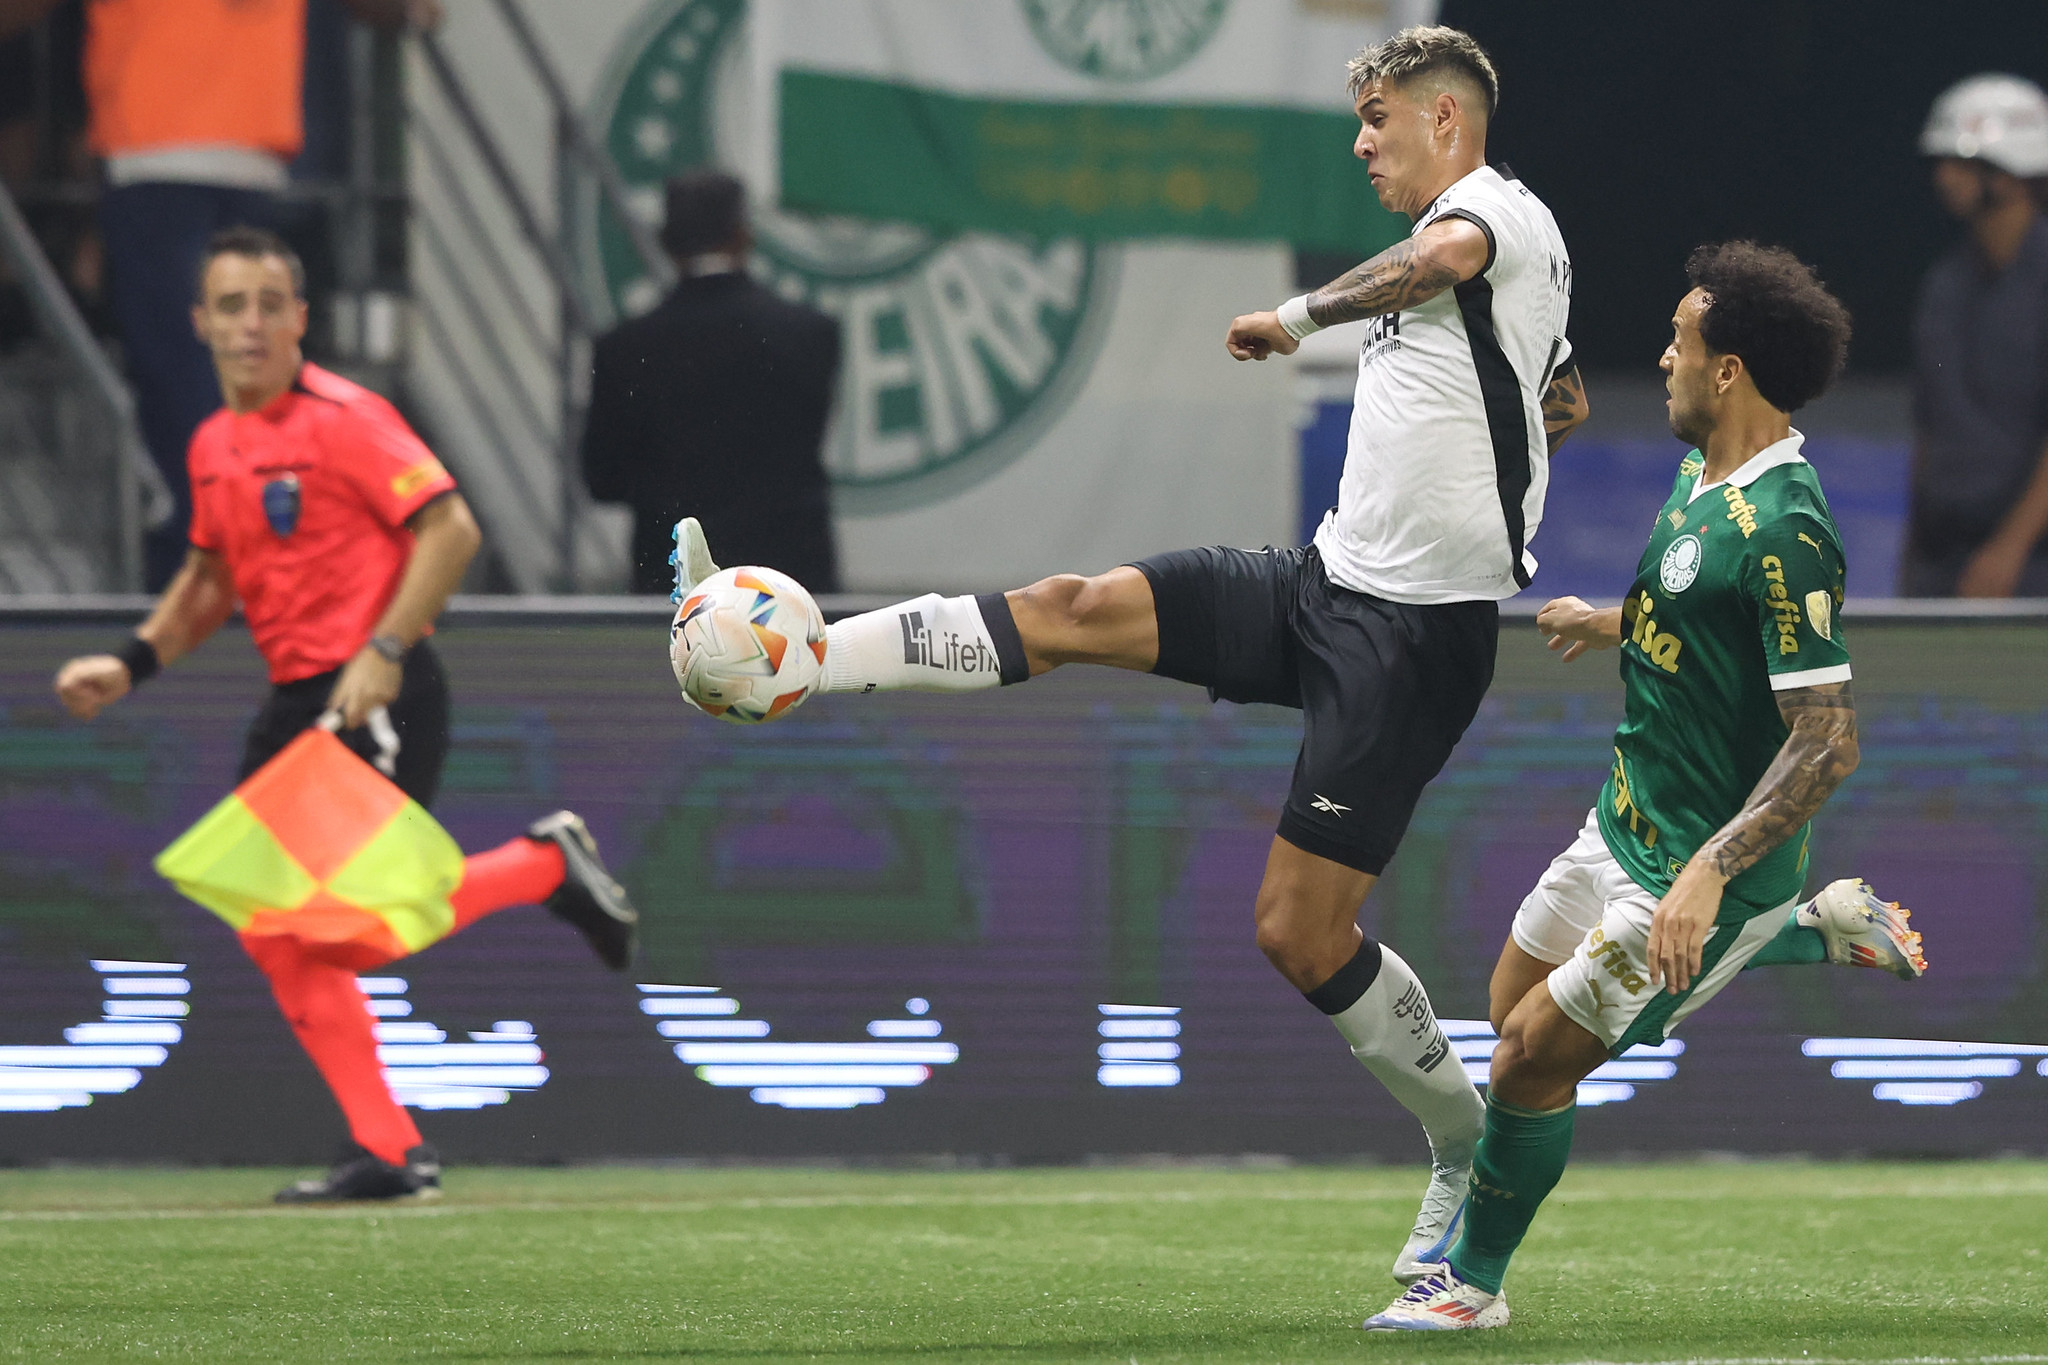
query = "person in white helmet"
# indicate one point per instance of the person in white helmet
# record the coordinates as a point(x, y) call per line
point(1979, 521)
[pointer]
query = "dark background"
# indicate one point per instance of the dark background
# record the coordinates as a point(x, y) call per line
point(1652, 127)
point(1016, 859)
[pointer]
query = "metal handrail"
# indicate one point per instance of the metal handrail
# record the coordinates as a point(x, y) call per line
point(578, 154)
point(546, 245)
point(142, 498)
point(471, 219)
point(479, 319)
point(610, 183)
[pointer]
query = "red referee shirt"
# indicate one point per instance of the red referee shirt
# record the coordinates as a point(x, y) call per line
point(306, 502)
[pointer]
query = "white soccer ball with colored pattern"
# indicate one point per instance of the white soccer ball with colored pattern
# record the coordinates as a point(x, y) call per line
point(747, 645)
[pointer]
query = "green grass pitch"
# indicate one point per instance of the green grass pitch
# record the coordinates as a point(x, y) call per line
point(1779, 1261)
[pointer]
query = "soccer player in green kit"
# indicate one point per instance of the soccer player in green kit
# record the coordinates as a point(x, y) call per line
point(1739, 725)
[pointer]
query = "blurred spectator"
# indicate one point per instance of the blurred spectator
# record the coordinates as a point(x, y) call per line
point(714, 405)
point(42, 140)
point(1980, 353)
point(196, 110)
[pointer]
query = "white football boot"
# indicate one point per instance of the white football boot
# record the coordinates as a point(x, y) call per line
point(1436, 1227)
point(1862, 931)
point(691, 557)
point(1441, 1302)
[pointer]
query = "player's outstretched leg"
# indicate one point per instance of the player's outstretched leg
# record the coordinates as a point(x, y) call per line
point(971, 642)
point(1848, 925)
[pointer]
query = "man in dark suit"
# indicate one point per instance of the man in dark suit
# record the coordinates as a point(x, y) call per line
point(714, 405)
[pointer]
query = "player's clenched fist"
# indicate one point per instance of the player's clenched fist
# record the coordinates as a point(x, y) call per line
point(1254, 336)
point(1575, 626)
point(89, 685)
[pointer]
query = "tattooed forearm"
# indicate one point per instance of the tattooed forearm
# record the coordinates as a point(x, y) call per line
point(1820, 752)
point(1405, 274)
point(1564, 407)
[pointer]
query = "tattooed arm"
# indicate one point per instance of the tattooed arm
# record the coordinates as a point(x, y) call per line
point(1564, 407)
point(1447, 252)
point(1413, 270)
point(1818, 754)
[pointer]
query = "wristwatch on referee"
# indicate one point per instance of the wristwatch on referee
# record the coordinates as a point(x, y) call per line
point(390, 646)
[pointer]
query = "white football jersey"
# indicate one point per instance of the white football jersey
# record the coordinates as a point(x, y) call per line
point(1446, 465)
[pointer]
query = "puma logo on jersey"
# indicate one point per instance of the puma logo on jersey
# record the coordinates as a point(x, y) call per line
point(1815, 544)
point(1328, 807)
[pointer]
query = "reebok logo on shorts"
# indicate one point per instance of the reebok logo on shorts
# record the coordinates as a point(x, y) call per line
point(1327, 806)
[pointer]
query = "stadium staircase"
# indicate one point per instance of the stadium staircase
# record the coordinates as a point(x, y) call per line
point(502, 315)
point(77, 487)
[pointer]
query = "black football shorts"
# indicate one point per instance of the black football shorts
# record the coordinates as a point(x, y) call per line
point(419, 717)
point(1385, 689)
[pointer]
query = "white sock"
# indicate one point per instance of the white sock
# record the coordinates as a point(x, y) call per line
point(1393, 1031)
point(928, 644)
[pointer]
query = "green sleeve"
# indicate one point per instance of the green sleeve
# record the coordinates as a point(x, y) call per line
point(1794, 572)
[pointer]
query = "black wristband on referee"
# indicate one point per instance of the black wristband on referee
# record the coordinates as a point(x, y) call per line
point(141, 658)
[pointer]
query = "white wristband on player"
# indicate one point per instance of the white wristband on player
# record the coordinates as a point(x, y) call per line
point(1294, 318)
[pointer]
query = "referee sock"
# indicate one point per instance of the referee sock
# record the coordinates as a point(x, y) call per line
point(1379, 1006)
point(519, 871)
point(328, 1016)
point(928, 644)
point(1518, 1165)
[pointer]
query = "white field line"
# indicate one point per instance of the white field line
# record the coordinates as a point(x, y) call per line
point(1827, 1360)
point(1019, 1200)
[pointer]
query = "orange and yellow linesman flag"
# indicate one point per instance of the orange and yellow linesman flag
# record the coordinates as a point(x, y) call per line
point(320, 846)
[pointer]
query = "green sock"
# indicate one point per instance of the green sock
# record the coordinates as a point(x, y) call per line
point(1519, 1161)
point(1794, 945)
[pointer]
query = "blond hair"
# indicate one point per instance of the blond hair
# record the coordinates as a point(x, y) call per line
point(1427, 49)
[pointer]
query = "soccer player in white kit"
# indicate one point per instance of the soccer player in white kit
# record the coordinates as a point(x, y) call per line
point(1383, 631)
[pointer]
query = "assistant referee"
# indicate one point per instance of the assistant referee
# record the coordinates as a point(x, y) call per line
point(317, 508)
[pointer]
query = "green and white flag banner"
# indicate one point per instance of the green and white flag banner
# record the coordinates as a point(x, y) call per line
point(1103, 119)
point(1010, 403)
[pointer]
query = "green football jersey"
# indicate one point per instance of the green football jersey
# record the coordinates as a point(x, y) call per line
point(1735, 597)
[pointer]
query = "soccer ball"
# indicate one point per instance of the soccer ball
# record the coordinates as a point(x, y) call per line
point(747, 645)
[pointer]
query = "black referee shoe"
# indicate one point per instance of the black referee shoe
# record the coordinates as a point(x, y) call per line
point(588, 897)
point(358, 1175)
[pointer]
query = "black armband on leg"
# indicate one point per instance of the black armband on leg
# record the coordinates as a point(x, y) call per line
point(141, 657)
point(1003, 634)
point(1350, 982)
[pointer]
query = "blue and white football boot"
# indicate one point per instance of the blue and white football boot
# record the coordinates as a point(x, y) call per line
point(691, 557)
point(1436, 1227)
point(1441, 1302)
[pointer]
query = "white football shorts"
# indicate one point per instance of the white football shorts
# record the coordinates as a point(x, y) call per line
point(1592, 919)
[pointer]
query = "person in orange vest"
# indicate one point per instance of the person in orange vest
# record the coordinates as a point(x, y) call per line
point(340, 534)
point(196, 110)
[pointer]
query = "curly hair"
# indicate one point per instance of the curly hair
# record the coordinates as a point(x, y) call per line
point(1421, 51)
point(1767, 306)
